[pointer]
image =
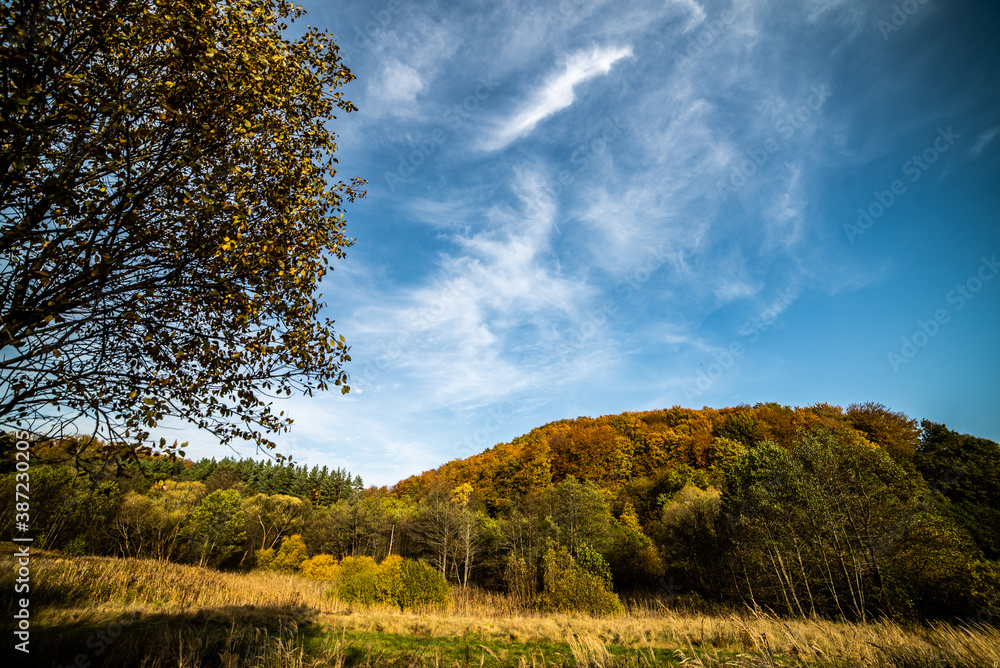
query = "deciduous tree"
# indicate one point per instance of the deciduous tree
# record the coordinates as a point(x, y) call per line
point(169, 202)
point(215, 528)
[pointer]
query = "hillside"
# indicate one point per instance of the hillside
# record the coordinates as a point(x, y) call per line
point(852, 514)
point(809, 509)
point(637, 456)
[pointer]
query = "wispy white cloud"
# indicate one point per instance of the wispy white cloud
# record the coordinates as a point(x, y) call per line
point(508, 294)
point(403, 63)
point(984, 140)
point(556, 93)
point(397, 87)
point(784, 217)
point(488, 306)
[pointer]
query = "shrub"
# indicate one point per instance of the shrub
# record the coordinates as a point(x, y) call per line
point(390, 581)
point(320, 567)
point(569, 587)
point(290, 555)
point(215, 528)
point(357, 581)
point(406, 583)
point(421, 585)
point(264, 558)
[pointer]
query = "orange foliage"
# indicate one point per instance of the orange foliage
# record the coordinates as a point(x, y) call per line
point(613, 450)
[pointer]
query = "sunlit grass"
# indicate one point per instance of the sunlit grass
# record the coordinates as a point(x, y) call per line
point(152, 613)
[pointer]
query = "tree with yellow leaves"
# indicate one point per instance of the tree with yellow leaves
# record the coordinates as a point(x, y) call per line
point(169, 203)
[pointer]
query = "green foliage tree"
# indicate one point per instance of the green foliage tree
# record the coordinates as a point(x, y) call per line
point(591, 561)
point(366, 517)
point(519, 576)
point(744, 427)
point(634, 559)
point(581, 513)
point(966, 471)
point(133, 524)
point(216, 527)
point(684, 475)
point(722, 455)
point(336, 486)
point(327, 532)
point(838, 527)
point(468, 539)
point(768, 527)
point(97, 508)
point(438, 532)
point(410, 583)
point(396, 581)
point(687, 535)
point(169, 203)
point(269, 518)
point(53, 509)
point(174, 502)
point(223, 477)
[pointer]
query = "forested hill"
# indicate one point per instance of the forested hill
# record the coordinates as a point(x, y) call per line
point(814, 510)
point(642, 458)
point(852, 513)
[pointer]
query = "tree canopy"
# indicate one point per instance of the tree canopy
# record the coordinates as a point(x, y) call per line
point(169, 203)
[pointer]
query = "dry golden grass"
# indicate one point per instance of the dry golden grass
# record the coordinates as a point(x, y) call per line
point(165, 586)
point(173, 603)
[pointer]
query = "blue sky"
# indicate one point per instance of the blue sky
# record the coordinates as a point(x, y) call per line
point(592, 207)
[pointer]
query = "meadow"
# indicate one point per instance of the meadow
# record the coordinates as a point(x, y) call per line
point(106, 611)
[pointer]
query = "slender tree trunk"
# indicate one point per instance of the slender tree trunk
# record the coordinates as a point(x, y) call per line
point(445, 552)
point(781, 583)
point(858, 573)
point(791, 585)
point(805, 577)
point(468, 554)
point(833, 585)
point(263, 540)
point(847, 578)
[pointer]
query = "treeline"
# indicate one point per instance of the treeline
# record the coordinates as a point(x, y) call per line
point(843, 513)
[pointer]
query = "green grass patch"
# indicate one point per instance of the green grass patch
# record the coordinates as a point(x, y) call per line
point(362, 649)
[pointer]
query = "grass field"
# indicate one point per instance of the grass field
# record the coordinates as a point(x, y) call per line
point(95, 611)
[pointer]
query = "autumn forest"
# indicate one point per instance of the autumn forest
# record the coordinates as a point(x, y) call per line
point(852, 514)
